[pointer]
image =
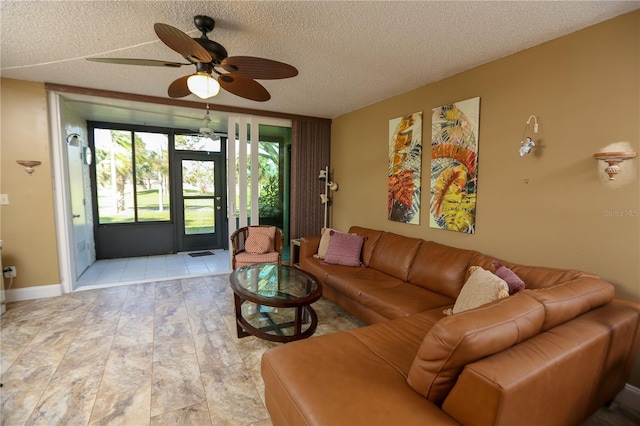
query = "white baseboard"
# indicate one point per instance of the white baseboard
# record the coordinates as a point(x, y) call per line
point(628, 398)
point(36, 292)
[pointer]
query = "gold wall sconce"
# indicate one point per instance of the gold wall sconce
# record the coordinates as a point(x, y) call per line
point(29, 165)
point(613, 159)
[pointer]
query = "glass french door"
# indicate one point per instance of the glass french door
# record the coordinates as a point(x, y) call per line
point(200, 200)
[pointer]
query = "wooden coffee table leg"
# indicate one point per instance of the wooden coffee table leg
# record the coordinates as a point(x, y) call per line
point(298, 320)
point(238, 305)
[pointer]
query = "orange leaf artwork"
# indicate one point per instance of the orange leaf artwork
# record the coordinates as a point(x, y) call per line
point(405, 168)
point(401, 188)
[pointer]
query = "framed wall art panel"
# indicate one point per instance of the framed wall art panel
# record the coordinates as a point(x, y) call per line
point(405, 168)
point(454, 166)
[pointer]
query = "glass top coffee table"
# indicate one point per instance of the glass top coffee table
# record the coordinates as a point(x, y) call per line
point(273, 302)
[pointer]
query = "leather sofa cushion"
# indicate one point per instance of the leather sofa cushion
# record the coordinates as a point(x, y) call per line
point(402, 300)
point(460, 339)
point(541, 277)
point(427, 269)
point(371, 238)
point(397, 341)
point(352, 281)
point(317, 267)
point(393, 254)
point(336, 379)
point(565, 301)
point(533, 276)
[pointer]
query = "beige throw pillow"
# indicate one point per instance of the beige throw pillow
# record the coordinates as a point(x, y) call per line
point(324, 242)
point(482, 287)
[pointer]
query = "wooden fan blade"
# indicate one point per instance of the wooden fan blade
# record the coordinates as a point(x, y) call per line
point(179, 88)
point(181, 43)
point(244, 87)
point(260, 68)
point(145, 62)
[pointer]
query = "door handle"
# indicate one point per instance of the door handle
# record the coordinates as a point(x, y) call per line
point(75, 216)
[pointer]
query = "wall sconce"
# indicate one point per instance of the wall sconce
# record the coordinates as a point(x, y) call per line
point(328, 186)
point(526, 144)
point(613, 159)
point(29, 165)
point(73, 139)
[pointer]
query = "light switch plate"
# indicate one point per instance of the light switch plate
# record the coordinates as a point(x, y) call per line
point(4, 199)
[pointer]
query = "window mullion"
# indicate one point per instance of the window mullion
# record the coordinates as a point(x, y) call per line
point(134, 177)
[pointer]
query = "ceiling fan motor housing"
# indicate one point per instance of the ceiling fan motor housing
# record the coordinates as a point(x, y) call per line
point(217, 51)
point(206, 24)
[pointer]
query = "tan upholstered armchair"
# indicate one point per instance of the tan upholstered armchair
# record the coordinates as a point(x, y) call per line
point(256, 244)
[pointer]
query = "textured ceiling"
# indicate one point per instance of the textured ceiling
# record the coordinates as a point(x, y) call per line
point(349, 54)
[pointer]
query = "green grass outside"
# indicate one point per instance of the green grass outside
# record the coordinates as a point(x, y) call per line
point(199, 213)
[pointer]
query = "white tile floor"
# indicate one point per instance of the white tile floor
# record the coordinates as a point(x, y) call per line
point(134, 270)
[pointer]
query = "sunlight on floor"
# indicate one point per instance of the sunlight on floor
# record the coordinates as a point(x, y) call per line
point(133, 270)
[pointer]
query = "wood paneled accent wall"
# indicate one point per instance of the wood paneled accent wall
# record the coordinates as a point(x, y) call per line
point(311, 151)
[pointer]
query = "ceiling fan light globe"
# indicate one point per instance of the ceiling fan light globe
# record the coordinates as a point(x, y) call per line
point(203, 85)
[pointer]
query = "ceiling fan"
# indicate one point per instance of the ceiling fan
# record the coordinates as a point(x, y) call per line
point(235, 74)
point(206, 131)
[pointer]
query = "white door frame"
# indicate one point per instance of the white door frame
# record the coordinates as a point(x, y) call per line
point(244, 124)
point(61, 196)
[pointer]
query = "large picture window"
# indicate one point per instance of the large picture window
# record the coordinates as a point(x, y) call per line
point(132, 176)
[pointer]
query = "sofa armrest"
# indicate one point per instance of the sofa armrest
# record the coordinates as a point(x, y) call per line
point(499, 389)
point(570, 370)
point(309, 246)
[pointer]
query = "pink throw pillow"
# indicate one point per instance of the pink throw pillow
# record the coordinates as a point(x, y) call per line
point(255, 239)
point(513, 281)
point(257, 243)
point(344, 249)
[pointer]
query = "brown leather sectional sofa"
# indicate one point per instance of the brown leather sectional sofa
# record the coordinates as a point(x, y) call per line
point(551, 354)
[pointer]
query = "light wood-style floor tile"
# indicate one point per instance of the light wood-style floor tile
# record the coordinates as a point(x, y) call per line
point(156, 353)
point(127, 408)
point(128, 369)
point(197, 414)
point(232, 397)
point(66, 401)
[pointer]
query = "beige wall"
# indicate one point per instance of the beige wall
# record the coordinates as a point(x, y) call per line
point(585, 90)
point(28, 225)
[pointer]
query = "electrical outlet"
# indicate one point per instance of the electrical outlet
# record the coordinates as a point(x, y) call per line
point(4, 199)
point(9, 272)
